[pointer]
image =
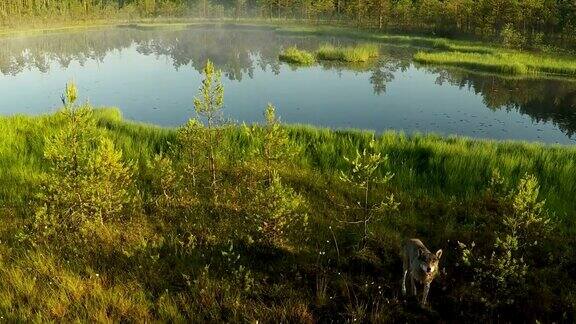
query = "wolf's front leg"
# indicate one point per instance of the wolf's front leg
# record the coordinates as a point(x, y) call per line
point(425, 294)
point(404, 282)
point(414, 292)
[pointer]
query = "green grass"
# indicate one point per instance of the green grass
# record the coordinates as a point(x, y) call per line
point(350, 54)
point(182, 271)
point(425, 164)
point(294, 55)
point(377, 37)
point(474, 56)
point(513, 63)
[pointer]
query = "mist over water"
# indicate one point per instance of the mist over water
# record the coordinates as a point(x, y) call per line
point(152, 75)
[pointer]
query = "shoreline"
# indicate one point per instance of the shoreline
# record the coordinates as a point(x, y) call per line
point(444, 165)
point(472, 56)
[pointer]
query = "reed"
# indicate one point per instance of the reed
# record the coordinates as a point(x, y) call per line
point(431, 165)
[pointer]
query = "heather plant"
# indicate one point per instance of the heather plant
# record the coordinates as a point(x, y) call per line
point(232, 262)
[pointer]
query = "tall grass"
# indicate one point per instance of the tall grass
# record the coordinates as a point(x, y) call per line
point(433, 165)
point(513, 63)
point(194, 261)
point(297, 56)
point(425, 164)
point(350, 54)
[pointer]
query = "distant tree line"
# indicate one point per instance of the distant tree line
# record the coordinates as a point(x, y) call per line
point(477, 17)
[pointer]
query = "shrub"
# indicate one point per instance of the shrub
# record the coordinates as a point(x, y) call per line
point(171, 195)
point(272, 143)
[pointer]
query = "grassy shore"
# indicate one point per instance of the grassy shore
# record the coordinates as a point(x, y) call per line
point(475, 56)
point(181, 257)
point(504, 62)
point(426, 164)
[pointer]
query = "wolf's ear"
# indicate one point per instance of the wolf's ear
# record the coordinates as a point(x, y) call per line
point(439, 254)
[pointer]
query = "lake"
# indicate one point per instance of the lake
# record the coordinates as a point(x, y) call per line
point(152, 75)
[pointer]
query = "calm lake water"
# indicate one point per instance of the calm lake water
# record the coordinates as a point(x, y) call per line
point(153, 75)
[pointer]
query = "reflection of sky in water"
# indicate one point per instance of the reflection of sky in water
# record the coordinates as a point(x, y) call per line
point(147, 88)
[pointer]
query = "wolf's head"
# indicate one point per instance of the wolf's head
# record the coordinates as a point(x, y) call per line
point(429, 262)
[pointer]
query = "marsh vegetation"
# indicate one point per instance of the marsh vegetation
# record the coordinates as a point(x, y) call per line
point(513, 63)
point(106, 219)
point(327, 52)
point(297, 56)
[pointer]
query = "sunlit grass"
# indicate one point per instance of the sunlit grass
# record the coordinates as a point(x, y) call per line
point(297, 56)
point(350, 54)
point(179, 274)
point(513, 63)
point(428, 164)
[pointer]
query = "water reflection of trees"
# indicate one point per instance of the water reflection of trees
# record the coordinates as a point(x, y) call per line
point(239, 52)
point(543, 100)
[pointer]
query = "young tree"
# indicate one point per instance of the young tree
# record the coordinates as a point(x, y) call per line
point(274, 144)
point(208, 105)
point(502, 266)
point(363, 174)
point(87, 184)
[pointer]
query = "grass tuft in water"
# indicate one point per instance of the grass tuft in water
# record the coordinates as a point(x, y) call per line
point(294, 55)
point(351, 54)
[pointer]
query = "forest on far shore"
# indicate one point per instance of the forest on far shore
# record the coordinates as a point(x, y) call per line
point(534, 21)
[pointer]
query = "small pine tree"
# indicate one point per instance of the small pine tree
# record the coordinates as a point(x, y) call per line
point(208, 105)
point(500, 271)
point(273, 143)
point(191, 138)
point(277, 210)
point(362, 174)
point(87, 182)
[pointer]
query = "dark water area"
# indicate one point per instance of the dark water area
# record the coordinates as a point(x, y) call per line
point(152, 76)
